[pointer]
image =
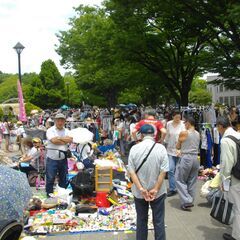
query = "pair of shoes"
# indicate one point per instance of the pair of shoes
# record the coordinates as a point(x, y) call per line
point(188, 205)
point(227, 236)
point(171, 193)
point(184, 208)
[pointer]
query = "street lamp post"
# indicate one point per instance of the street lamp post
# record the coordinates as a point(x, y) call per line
point(68, 83)
point(19, 47)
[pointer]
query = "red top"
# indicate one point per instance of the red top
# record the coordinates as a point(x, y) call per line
point(157, 125)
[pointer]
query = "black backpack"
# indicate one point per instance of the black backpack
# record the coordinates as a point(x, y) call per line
point(236, 167)
point(83, 183)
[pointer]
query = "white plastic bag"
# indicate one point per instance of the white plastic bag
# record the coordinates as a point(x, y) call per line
point(63, 194)
point(205, 189)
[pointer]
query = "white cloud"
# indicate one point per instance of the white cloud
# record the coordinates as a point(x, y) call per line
point(33, 23)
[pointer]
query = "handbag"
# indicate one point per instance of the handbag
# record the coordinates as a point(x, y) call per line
point(83, 183)
point(222, 210)
point(68, 153)
point(144, 160)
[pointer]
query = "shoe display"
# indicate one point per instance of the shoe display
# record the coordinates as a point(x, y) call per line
point(227, 236)
point(171, 193)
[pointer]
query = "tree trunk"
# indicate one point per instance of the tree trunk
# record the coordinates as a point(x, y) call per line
point(184, 96)
point(111, 96)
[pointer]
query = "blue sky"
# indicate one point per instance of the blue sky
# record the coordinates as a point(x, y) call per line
point(34, 24)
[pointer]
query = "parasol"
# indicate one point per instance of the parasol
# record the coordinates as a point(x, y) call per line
point(34, 111)
point(15, 193)
point(81, 135)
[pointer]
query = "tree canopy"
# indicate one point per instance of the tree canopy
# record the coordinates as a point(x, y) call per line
point(199, 94)
point(139, 51)
point(46, 90)
point(156, 36)
point(92, 47)
point(221, 23)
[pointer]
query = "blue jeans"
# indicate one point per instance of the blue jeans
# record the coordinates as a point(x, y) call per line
point(158, 212)
point(171, 173)
point(54, 167)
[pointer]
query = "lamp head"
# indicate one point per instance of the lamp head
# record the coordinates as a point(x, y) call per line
point(18, 47)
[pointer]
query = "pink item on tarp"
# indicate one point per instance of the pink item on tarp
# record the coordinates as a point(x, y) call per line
point(71, 164)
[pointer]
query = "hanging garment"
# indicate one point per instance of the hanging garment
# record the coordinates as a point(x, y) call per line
point(203, 154)
point(216, 147)
point(203, 148)
point(209, 149)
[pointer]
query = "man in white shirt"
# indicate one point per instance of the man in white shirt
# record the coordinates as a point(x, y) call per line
point(57, 147)
point(231, 185)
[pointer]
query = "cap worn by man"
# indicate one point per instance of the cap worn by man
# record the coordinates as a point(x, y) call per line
point(147, 129)
point(36, 140)
point(60, 116)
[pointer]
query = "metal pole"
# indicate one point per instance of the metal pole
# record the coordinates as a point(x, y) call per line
point(19, 68)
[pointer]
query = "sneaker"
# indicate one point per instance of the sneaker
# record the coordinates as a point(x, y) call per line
point(171, 193)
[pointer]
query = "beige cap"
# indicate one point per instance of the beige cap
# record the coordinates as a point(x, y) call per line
point(60, 115)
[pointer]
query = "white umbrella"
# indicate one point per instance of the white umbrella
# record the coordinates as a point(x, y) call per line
point(81, 135)
point(34, 111)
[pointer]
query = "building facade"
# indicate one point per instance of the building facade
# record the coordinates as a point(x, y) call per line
point(221, 94)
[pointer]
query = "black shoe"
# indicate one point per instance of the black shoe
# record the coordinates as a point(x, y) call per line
point(188, 205)
point(184, 208)
point(227, 236)
point(171, 193)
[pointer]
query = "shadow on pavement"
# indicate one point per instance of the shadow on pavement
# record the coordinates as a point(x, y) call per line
point(205, 205)
point(213, 233)
point(175, 203)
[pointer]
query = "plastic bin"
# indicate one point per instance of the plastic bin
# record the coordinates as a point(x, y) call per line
point(101, 200)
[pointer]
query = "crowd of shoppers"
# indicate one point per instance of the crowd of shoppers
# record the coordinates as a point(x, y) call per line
point(169, 141)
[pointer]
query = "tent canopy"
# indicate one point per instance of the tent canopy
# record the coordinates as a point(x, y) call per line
point(65, 107)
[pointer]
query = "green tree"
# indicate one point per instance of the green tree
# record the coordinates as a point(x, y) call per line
point(154, 34)
point(29, 107)
point(91, 47)
point(51, 87)
point(199, 94)
point(47, 86)
point(74, 92)
point(88, 48)
point(8, 87)
point(1, 113)
point(3, 76)
point(50, 76)
point(222, 24)
point(34, 91)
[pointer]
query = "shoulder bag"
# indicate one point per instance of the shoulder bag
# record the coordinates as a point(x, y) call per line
point(144, 160)
point(222, 209)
